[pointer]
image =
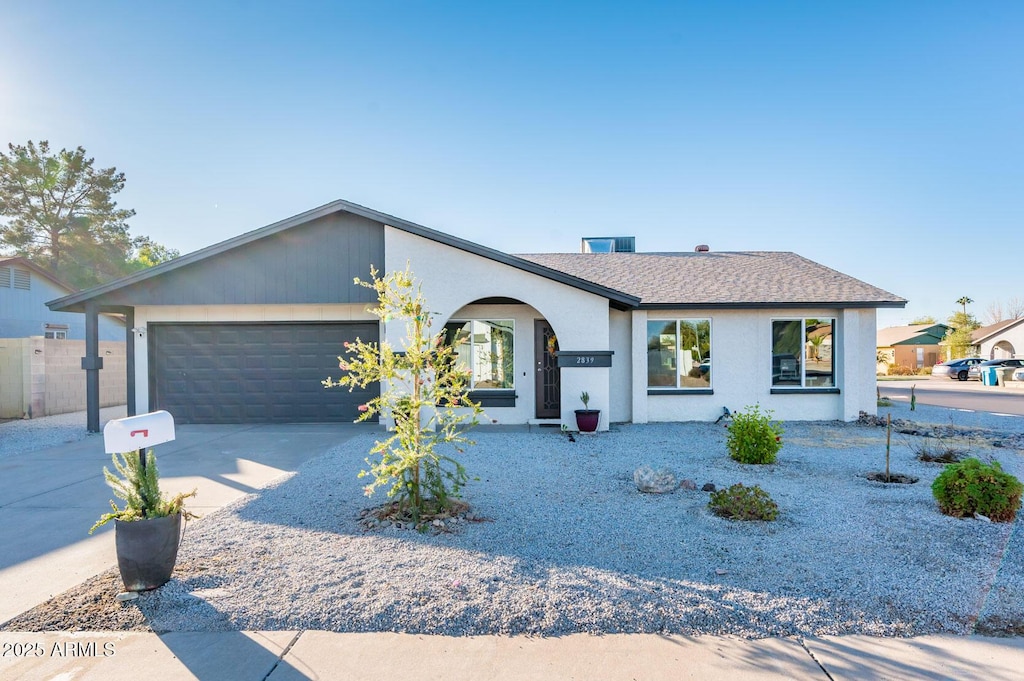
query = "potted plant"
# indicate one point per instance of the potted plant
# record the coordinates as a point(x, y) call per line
point(587, 419)
point(147, 530)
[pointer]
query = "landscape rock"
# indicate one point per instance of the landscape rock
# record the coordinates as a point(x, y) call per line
point(688, 485)
point(708, 487)
point(656, 482)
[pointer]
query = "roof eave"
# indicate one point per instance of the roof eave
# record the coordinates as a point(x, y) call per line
point(998, 331)
point(773, 305)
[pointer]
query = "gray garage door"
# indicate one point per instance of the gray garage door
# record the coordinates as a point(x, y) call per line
point(253, 373)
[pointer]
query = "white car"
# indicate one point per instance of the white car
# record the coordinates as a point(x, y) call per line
point(956, 368)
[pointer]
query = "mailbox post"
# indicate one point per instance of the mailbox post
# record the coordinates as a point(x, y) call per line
point(137, 433)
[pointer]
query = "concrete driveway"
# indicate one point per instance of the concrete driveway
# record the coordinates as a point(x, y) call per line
point(51, 497)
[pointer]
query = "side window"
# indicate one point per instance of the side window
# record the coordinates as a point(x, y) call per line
point(802, 353)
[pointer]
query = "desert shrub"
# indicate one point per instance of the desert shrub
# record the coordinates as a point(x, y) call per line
point(753, 437)
point(969, 487)
point(924, 371)
point(743, 503)
point(937, 450)
point(900, 370)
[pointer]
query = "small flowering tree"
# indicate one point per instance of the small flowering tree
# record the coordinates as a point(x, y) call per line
point(424, 391)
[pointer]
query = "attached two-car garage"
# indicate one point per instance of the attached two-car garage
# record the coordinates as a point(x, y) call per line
point(253, 372)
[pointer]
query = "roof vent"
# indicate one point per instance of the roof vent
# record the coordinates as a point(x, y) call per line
point(608, 244)
point(701, 248)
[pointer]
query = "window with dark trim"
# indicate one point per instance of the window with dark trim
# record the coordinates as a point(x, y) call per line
point(484, 348)
point(802, 353)
point(679, 354)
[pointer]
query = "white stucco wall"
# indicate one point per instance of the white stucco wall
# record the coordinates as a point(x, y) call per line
point(228, 313)
point(452, 279)
point(1014, 336)
point(741, 367)
point(621, 395)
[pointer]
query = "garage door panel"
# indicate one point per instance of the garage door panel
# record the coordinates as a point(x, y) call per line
point(253, 373)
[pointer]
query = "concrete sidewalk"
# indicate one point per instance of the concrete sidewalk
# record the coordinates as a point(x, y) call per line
point(291, 656)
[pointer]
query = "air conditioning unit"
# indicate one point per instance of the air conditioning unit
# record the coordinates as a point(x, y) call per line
point(608, 244)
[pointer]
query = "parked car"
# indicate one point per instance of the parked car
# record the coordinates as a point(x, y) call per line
point(956, 368)
point(974, 373)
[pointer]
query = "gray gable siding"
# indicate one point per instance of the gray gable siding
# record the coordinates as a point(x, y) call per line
point(310, 263)
point(23, 312)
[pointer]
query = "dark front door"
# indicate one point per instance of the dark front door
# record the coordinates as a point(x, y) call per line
point(548, 383)
point(253, 373)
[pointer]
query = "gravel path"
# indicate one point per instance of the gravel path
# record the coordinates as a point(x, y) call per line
point(29, 435)
point(569, 545)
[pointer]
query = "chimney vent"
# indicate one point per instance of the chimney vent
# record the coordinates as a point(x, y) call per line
point(701, 248)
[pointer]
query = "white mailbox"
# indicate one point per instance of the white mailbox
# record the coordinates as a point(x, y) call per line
point(138, 432)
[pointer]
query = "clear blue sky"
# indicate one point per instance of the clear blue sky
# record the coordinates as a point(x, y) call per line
point(883, 139)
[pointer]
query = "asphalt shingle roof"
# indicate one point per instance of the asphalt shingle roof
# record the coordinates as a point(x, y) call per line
point(983, 332)
point(722, 279)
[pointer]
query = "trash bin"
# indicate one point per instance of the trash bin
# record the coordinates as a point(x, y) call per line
point(988, 375)
point(1006, 375)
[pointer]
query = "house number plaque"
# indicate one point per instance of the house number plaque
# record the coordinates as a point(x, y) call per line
point(574, 359)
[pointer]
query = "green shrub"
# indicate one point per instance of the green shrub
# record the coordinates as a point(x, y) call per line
point(743, 503)
point(753, 438)
point(924, 371)
point(900, 370)
point(969, 487)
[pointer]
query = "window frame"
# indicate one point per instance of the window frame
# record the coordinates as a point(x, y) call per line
point(678, 389)
point(472, 378)
point(803, 387)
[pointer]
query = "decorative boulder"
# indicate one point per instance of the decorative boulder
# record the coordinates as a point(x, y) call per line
point(657, 482)
point(688, 485)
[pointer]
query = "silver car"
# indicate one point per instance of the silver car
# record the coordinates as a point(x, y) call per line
point(974, 373)
point(956, 368)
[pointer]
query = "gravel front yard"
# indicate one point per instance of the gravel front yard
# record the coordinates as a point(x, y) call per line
point(565, 543)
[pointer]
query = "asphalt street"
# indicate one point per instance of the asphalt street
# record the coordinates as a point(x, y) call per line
point(943, 392)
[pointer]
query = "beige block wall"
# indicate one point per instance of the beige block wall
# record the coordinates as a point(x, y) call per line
point(51, 379)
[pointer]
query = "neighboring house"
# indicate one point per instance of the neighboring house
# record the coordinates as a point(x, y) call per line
point(1001, 340)
point(245, 330)
point(914, 346)
point(24, 289)
point(41, 350)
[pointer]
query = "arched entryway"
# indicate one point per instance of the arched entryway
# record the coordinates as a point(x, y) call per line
point(1002, 350)
point(510, 350)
